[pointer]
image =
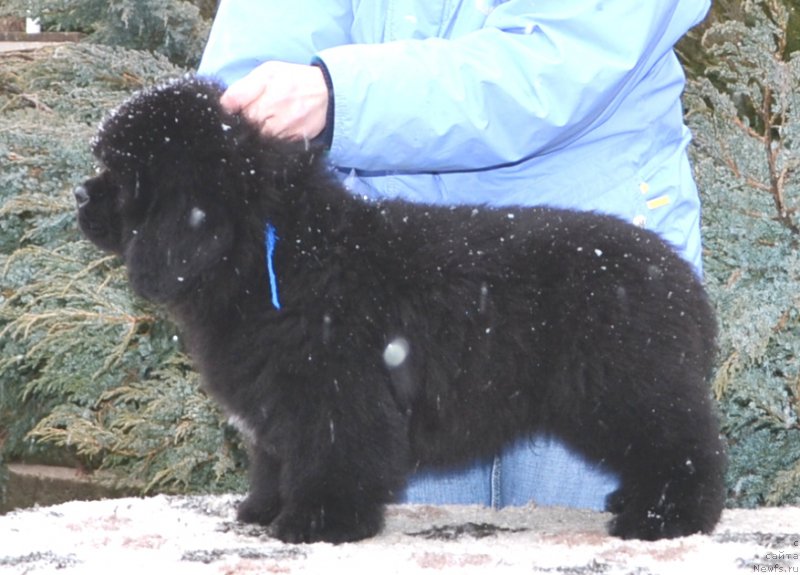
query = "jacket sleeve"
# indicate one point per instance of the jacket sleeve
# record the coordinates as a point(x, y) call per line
point(246, 34)
point(537, 76)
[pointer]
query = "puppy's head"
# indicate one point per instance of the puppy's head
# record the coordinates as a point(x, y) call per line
point(161, 199)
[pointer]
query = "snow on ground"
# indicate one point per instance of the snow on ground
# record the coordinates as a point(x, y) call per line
point(198, 535)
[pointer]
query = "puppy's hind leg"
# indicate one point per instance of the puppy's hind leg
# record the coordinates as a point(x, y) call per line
point(672, 484)
point(671, 501)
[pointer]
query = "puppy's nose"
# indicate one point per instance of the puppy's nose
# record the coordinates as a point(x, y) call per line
point(81, 195)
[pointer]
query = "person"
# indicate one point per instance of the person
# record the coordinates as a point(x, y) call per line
point(568, 103)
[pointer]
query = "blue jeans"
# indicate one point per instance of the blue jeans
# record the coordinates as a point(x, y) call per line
point(539, 470)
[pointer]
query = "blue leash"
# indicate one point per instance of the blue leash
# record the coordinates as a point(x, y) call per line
point(270, 239)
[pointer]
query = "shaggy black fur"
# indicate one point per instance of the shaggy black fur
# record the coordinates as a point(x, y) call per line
point(408, 335)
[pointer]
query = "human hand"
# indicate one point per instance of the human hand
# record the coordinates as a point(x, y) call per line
point(285, 100)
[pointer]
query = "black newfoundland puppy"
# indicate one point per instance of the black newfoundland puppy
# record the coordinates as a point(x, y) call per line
point(355, 341)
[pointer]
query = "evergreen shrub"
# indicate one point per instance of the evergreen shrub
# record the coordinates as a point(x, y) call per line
point(88, 373)
point(745, 117)
point(176, 29)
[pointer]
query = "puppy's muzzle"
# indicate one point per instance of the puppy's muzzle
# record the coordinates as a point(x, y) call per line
point(81, 195)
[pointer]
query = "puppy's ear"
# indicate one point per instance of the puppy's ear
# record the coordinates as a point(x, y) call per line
point(178, 249)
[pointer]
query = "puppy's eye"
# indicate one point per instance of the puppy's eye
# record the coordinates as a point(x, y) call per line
point(127, 199)
point(132, 199)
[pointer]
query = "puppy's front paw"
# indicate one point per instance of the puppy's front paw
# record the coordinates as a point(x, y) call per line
point(260, 510)
point(318, 523)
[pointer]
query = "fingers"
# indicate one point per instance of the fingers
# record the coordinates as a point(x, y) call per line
point(241, 94)
point(282, 99)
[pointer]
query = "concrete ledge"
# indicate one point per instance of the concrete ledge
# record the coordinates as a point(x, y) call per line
point(22, 42)
point(40, 37)
point(30, 485)
point(198, 535)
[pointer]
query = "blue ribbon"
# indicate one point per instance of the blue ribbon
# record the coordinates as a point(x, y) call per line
point(270, 239)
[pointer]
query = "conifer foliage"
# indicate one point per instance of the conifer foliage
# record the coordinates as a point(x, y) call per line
point(176, 29)
point(745, 116)
point(85, 368)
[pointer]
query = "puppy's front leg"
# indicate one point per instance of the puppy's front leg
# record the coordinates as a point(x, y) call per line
point(329, 518)
point(262, 503)
point(343, 451)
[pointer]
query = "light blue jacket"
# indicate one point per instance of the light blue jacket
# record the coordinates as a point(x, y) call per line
point(572, 103)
